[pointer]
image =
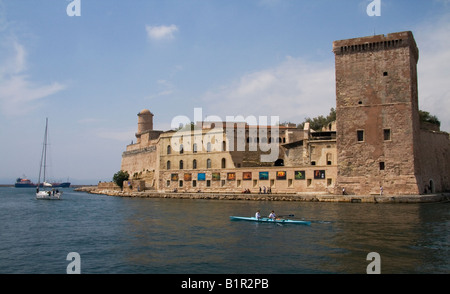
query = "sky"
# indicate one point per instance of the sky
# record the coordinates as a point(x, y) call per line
point(91, 66)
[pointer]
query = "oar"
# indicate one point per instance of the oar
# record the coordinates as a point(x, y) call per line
point(286, 215)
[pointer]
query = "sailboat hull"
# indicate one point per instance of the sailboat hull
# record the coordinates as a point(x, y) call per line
point(48, 195)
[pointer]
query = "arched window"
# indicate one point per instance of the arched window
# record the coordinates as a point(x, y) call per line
point(194, 148)
point(168, 164)
point(208, 163)
point(181, 164)
point(194, 164)
point(279, 162)
point(224, 146)
point(224, 162)
point(169, 149)
point(329, 158)
point(181, 149)
point(208, 147)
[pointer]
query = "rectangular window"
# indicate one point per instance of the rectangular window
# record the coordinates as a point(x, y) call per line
point(387, 134)
point(360, 135)
point(382, 165)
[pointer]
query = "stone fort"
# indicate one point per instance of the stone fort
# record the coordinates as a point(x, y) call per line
point(376, 141)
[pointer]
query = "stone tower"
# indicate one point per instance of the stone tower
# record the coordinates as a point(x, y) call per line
point(145, 123)
point(377, 114)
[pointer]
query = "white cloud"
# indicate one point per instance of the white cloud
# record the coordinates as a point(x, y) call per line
point(18, 95)
point(434, 69)
point(293, 90)
point(161, 32)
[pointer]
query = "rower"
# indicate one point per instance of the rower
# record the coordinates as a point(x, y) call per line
point(272, 215)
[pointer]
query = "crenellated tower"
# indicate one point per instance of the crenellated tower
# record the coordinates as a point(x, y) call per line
point(378, 125)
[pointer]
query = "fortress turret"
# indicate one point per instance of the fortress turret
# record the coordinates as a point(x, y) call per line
point(145, 123)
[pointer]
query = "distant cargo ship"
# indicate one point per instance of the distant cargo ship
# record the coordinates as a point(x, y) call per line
point(26, 183)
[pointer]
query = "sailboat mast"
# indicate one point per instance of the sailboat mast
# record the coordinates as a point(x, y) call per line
point(44, 153)
point(45, 146)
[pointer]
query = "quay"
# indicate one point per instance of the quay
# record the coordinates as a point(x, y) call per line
point(428, 198)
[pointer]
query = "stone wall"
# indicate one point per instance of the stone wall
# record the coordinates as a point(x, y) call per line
point(280, 179)
point(377, 115)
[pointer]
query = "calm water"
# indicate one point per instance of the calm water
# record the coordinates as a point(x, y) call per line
point(125, 235)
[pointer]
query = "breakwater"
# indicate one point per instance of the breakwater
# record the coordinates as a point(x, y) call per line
point(275, 197)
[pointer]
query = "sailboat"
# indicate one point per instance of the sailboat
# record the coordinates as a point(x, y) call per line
point(48, 193)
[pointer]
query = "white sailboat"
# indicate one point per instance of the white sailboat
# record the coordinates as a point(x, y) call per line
point(47, 194)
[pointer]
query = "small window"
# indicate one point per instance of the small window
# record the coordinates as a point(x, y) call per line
point(385, 74)
point(208, 163)
point(208, 183)
point(194, 164)
point(180, 184)
point(360, 135)
point(168, 164)
point(382, 165)
point(387, 134)
point(168, 183)
point(224, 162)
point(194, 183)
point(313, 163)
point(169, 149)
point(181, 164)
point(181, 149)
point(194, 148)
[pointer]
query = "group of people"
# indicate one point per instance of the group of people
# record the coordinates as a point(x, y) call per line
point(263, 190)
point(272, 215)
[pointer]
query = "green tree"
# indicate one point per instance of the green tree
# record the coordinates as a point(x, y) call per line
point(425, 116)
point(119, 177)
point(317, 123)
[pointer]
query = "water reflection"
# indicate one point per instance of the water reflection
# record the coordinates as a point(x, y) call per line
point(196, 236)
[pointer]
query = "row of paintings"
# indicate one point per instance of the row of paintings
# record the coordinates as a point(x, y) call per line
point(246, 176)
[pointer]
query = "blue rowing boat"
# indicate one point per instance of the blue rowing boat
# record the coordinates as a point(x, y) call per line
point(269, 220)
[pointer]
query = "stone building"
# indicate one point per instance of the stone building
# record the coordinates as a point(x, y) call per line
point(376, 141)
point(380, 139)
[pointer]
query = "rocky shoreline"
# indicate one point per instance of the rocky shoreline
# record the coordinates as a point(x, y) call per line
point(429, 198)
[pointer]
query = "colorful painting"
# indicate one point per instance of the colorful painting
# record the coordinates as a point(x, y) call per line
point(174, 177)
point(319, 174)
point(281, 175)
point(201, 176)
point(299, 175)
point(246, 176)
point(231, 176)
point(263, 175)
point(216, 176)
point(188, 177)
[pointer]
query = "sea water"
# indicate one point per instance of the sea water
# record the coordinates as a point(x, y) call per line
point(180, 236)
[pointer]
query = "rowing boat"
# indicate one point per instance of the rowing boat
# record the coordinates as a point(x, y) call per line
point(269, 220)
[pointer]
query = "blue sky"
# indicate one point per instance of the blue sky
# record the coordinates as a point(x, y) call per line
point(91, 74)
